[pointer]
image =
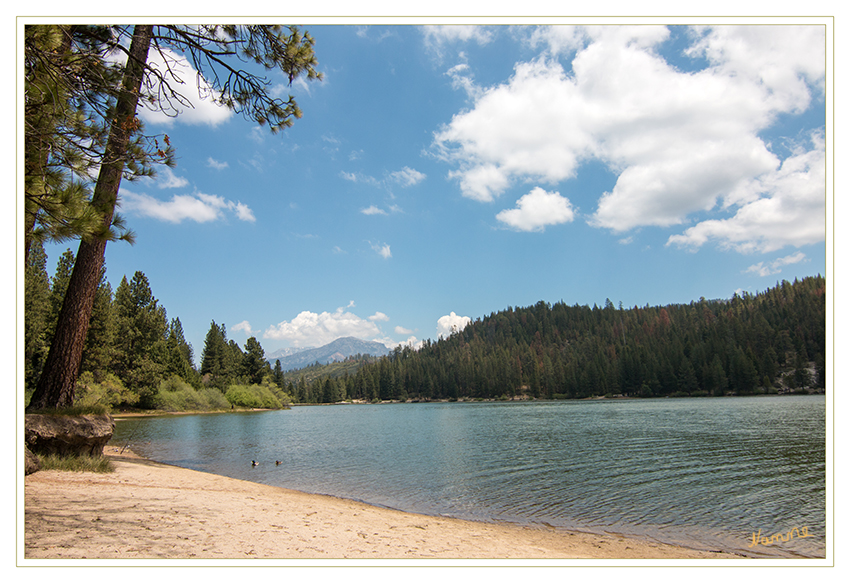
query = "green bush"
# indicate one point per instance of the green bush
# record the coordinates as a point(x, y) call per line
point(110, 392)
point(177, 395)
point(253, 397)
point(215, 399)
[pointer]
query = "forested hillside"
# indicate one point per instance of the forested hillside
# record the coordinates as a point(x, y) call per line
point(769, 342)
point(135, 356)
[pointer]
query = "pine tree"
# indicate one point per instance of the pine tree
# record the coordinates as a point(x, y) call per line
point(180, 360)
point(140, 338)
point(99, 349)
point(59, 287)
point(277, 375)
point(255, 364)
point(62, 127)
point(270, 46)
point(36, 314)
point(214, 355)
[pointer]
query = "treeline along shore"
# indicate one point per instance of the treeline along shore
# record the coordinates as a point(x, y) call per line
point(136, 358)
point(770, 342)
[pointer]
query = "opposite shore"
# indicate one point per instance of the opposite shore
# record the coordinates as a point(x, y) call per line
point(149, 510)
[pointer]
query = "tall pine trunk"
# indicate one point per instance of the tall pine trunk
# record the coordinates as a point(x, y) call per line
point(56, 386)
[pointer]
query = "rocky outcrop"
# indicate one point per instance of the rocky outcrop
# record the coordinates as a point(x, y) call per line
point(67, 435)
point(31, 463)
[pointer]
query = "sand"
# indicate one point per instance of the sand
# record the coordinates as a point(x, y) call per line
point(148, 510)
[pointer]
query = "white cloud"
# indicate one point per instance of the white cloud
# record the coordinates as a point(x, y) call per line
point(245, 327)
point(373, 210)
point(165, 178)
point(438, 38)
point(403, 330)
point(522, 129)
point(257, 134)
point(212, 163)
point(558, 39)
point(382, 250)
point(411, 341)
point(679, 142)
point(783, 60)
point(775, 266)
point(457, 33)
point(537, 210)
point(779, 208)
point(364, 32)
point(356, 177)
point(199, 207)
point(244, 212)
point(196, 104)
point(447, 325)
point(312, 329)
point(462, 79)
point(407, 176)
point(379, 317)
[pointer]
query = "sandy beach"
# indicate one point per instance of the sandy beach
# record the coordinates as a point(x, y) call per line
point(148, 510)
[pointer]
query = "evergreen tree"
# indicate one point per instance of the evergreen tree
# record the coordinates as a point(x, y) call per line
point(255, 364)
point(214, 357)
point(180, 360)
point(58, 288)
point(99, 349)
point(208, 48)
point(37, 311)
point(58, 380)
point(68, 87)
point(277, 376)
point(140, 338)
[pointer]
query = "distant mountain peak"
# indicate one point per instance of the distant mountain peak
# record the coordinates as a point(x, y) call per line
point(339, 349)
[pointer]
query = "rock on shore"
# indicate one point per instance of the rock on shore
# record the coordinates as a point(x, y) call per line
point(68, 435)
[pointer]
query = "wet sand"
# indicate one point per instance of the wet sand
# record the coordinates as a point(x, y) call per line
point(148, 510)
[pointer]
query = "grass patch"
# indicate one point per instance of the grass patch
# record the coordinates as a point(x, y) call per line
point(81, 463)
point(75, 411)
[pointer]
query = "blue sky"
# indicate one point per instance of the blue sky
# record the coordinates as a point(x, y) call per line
point(443, 173)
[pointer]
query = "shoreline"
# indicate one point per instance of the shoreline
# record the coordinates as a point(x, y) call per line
point(149, 510)
point(159, 413)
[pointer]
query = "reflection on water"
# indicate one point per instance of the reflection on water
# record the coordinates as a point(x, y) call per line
point(706, 473)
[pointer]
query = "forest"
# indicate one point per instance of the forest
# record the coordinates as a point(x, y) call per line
point(135, 357)
point(769, 342)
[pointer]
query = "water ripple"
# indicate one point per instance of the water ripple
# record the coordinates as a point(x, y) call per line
point(706, 473)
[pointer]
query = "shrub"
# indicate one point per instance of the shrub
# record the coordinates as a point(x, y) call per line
point(252, 396)
point(177, 395)
point(109, 393)
point(214, 398)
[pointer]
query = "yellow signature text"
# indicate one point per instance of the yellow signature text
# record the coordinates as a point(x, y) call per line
point(782, 537)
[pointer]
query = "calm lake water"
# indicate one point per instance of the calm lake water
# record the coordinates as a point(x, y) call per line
point(704, 473)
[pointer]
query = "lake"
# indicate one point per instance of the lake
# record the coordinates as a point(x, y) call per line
point(704, 473)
